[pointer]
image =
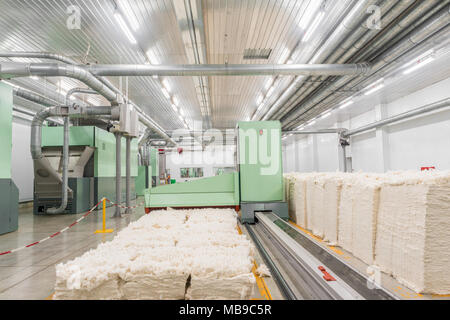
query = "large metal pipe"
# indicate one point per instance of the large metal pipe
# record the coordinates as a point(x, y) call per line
point(228, 69)
point(117, 213)
point(128, 210)
point(65, 169)
point(146, 120)
point(403, 116)
point(33, 97)
point(78, 90)
point(14, 69)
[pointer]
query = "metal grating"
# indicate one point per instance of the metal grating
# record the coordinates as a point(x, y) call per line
point(252, 54)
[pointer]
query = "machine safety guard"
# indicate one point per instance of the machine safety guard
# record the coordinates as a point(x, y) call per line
point(104, 230)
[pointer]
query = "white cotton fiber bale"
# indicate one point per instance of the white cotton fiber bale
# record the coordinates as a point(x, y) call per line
point(239, 287)
point(164, 286)
point(358, 212)
point(332, 187)
point(108, 290)
point(315, 204)
point(154, 257)
point(412, 237)
point(298, 191)
point(288, 180)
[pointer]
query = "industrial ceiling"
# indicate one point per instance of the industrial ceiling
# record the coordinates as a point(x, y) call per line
point(174, 32)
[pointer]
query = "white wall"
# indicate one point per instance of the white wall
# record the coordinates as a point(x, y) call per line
point(409, 145)
point(22, 164)
point(208, 160)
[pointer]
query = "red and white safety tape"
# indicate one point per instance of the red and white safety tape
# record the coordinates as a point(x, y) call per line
point(68, 227)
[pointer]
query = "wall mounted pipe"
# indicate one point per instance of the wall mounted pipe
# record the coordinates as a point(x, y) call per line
point(325, 131)
point(65, 169)
point(403, 116)
point(117, 213)
point(128, 210)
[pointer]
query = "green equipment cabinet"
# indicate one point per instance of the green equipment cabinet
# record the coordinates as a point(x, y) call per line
point(220, 191)
point(9, 194)
point(143, 179)
point(92, 168)
point(261, 169)
point(154, 163)
point(257, 185)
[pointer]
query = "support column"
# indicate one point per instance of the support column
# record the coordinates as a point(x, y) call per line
point(128, 177)
point(117, 213)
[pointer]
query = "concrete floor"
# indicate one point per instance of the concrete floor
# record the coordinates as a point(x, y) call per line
point(30, 273)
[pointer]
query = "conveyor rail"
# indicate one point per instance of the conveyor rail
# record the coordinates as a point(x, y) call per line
point(294, 259)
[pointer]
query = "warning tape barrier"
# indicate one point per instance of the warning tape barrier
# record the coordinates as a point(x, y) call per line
point(68, 227)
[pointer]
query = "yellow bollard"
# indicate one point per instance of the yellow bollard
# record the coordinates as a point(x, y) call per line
point(104, 230)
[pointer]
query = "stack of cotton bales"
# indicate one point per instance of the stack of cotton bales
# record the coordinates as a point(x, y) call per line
point(397, 220)
point(185, 254)
point(413, 236)
point(358, 215)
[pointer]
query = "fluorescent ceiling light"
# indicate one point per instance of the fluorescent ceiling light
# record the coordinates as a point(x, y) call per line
point(152, 57)
point(165, 92)
point(311, 123)
point(182, 112)
point(374, 87)
point(422, 57)
point(124, 28)
point(270, 92)
point(259, 99)
point(346, 104)
point(310, 11)
point(34, 77)
point(125, 5)
point(419, 64)
point(269, 83)
point(166, 84)
point(313, 27)
point(326, 115)
point(176, 101)
point(174, 107)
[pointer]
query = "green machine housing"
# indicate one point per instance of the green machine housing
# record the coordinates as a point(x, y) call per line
point(256, 186)
point(92, 168)
point(9, 194)
point(261, 169)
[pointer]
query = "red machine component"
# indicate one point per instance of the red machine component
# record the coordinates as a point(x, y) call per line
point(326, 275)
point(427, 168)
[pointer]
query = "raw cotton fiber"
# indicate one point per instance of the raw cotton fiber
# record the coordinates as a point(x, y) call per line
point(173, 254)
